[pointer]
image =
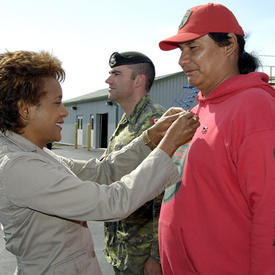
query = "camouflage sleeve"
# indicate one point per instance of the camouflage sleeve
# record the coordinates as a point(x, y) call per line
point(156, 212)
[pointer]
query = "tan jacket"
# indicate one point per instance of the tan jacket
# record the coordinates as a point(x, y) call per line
point(44, 204)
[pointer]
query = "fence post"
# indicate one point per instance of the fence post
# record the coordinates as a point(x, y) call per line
point(88, 136)
point(75, 135)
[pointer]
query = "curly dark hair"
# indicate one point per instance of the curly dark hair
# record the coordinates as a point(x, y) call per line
point(21, 78)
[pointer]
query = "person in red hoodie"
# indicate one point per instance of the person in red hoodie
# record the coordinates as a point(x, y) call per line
point(220, 219)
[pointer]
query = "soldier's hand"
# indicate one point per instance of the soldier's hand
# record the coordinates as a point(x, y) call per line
point(152, 267)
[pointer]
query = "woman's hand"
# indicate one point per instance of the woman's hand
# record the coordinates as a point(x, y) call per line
point(180, 132)
point(158, 130)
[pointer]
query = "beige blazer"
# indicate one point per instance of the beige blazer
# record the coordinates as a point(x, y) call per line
point(46, 199)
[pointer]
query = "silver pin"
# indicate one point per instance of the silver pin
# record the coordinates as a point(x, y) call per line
point(204, 129)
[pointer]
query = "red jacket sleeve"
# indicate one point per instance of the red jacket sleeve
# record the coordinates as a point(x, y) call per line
point(256, 171)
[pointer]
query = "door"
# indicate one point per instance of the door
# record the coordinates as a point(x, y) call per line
point(102, 130)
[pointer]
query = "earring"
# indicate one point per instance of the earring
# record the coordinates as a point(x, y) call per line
point(26, 115)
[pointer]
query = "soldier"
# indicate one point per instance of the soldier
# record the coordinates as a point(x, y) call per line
point(131, 245)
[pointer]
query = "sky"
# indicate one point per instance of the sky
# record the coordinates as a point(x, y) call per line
point(84, 33)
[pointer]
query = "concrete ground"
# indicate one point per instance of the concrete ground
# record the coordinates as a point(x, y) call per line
point(8, 261)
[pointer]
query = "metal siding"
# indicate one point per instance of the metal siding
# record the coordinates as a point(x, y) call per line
point(171, 92)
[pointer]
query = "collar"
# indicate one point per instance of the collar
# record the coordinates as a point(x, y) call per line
point(133, 117)
point(235, 85)
point(20, 141)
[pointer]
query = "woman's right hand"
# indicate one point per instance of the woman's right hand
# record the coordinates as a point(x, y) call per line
point(159, 129)
point(180, 132)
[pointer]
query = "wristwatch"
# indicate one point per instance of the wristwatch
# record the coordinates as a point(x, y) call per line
point(148, 141)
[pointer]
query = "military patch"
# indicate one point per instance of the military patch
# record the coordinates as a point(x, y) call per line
point(170, 192)
point(185, 18)
point(178, 158)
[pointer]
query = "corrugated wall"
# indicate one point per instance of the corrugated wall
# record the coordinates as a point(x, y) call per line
point(174, 91)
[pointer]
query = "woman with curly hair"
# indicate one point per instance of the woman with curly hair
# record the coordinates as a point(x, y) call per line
point(45, 200)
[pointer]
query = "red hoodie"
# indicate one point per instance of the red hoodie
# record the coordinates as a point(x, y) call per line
point(220, 220)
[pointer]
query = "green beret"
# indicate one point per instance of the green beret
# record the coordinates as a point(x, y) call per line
point(127, 58)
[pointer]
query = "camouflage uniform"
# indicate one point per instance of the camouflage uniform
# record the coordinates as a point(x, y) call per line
point(130, 242)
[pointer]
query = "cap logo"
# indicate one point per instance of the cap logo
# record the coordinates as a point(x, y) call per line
point(112, 61)
point(185, 18)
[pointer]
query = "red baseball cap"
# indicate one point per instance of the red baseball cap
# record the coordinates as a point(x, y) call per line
point(201, 20)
